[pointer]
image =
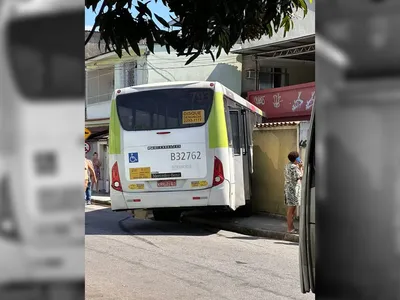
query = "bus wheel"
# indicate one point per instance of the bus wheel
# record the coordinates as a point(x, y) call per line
point(167, 215)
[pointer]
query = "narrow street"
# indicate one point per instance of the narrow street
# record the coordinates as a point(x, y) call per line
point(144, 259)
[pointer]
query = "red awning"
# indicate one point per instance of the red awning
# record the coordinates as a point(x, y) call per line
point(290, 103)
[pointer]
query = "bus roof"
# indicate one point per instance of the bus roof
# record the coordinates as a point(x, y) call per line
point(192, 84)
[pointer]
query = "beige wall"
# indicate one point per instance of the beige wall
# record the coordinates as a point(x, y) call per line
point(271, 147)
point(164, 67)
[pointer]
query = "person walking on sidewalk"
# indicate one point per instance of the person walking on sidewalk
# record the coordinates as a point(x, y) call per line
point(292, 189)
point(91, 178)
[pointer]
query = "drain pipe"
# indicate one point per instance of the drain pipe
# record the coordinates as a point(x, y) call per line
point(257, 84)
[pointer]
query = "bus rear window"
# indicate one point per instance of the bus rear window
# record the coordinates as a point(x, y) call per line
point(164, 108)
point(46, 56)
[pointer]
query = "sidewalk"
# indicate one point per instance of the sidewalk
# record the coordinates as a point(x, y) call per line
point(261, 225)
point(101, 198)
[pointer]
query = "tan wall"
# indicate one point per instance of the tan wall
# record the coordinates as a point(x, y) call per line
point(271, 147)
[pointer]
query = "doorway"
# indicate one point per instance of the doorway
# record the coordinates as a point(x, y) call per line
point(104, 170)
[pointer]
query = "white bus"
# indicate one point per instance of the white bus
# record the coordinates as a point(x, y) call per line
point(41, 192)
point(181, 145)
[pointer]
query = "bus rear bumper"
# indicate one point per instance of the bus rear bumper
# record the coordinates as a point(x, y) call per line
point(215, 196)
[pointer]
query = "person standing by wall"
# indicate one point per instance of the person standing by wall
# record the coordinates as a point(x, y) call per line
point(292, 189)
point(96, 164)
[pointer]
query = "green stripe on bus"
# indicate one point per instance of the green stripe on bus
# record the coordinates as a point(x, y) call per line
point(217, 131)
point(114, 139)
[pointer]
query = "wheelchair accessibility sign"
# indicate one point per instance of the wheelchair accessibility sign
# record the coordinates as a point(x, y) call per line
point(133, 157)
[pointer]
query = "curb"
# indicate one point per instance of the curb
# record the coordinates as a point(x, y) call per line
point(276, 216)
point(101, 202)
point(275, 235)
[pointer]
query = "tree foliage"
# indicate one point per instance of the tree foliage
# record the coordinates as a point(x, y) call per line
point(202, 25)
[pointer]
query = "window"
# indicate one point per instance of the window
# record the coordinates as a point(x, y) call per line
point(99, 85)
point(48, 64)
point(234, 116)
point(163, 108)
point(273, 78)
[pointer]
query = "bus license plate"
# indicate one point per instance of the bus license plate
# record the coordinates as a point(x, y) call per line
point(166, 183)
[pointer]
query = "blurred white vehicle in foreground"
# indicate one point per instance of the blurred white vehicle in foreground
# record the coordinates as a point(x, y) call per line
point(41, 196)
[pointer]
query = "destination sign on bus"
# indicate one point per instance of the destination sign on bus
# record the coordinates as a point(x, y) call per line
point(193, 116)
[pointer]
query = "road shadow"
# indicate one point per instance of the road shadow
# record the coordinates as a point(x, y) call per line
point(104, 221)
point(216, 214)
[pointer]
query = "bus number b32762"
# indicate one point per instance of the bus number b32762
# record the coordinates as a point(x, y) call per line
point(186, 155)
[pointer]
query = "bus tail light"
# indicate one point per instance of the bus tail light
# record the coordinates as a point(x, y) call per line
point(115, 180)
point(218, 172)
point(8, 223)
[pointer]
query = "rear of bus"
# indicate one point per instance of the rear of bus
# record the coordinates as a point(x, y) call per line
point(169, 147)
point(41, 92)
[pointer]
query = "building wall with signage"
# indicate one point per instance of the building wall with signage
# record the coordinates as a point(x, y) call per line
point(291, 103)
point(294, 72)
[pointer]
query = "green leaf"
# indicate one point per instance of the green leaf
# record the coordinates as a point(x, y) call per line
point(118, 48)
point(94, 7)
point(144, 9)
point(217, 25)
point(304, 6)
point(150, 42)
point(162, 21)
point(219, 51)
point(212, 55)
point(89, 3)
point(125, 45)
point(135, 47)
point(190, 60)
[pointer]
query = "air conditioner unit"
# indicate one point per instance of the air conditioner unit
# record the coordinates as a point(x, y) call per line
point(250, 74)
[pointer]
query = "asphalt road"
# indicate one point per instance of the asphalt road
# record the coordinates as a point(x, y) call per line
point(148, 260)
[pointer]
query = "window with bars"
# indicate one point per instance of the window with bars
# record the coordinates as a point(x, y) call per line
point(273, 78)
point(129, 73)
point(99, 85)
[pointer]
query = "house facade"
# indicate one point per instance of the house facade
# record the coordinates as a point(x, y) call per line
point(279, 77)
point(279, 72)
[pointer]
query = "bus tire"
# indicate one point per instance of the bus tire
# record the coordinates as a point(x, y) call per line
point(167, 215)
